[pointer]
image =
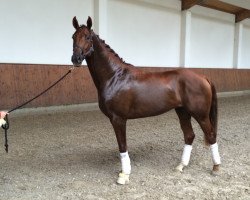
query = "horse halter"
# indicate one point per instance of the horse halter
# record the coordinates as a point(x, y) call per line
point(91, 49)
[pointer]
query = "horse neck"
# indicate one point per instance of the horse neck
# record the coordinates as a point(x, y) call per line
point(103, 62)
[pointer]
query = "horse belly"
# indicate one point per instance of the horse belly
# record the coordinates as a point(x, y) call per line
point(141, 99)
point(151, 103)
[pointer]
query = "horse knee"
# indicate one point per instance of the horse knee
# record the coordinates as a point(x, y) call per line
point(189, 138)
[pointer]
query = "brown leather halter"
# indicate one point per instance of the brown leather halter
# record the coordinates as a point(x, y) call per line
point(91, 49)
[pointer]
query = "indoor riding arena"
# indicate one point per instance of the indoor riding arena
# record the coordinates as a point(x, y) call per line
point(83, 124)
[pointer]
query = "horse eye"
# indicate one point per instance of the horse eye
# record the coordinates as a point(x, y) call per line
point(87, 37)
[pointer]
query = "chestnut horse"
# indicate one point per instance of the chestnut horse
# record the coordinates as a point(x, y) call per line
point(126, 92)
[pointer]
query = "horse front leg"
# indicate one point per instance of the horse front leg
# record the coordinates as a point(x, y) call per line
point(119, 126)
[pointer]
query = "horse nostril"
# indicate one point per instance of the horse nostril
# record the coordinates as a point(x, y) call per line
point(79, 60)
point(76, 59)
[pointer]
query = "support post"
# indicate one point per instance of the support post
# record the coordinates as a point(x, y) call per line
point(185, 38)
point(237, 44)
point(100, 17)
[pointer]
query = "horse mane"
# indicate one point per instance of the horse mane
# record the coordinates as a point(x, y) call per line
point(106, 45)
point(110, 49)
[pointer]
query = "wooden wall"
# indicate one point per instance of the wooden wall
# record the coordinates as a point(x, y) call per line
point(20, 82)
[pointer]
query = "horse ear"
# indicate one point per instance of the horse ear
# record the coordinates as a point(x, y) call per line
point(89, 23)
point(75, 23)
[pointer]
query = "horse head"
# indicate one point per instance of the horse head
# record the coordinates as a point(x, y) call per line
point(82, 42)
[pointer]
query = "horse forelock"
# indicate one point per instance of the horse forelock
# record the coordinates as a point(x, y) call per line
point(82, 26)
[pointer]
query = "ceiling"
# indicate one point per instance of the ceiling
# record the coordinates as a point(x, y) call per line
point(240, 8)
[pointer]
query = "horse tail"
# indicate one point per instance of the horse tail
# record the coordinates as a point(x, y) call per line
point(213, 114)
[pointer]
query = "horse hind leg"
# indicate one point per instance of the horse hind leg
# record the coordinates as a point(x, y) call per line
point(186, 126)
point(210, 139)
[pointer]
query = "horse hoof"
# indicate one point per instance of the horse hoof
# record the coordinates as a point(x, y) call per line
point(123, 179)
point(215, 171)
point(179, 168)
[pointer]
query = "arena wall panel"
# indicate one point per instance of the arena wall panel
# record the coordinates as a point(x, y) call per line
point(21, 82)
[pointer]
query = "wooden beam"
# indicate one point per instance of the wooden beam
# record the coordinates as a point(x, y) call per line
point(243, 14)
point(186, 4)
point(221, 6)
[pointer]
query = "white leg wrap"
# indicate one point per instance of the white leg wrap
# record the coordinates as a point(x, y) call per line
point(125, 160)
point(186, 154)
point(215, 154)
point(185, 157)
point(126, 169)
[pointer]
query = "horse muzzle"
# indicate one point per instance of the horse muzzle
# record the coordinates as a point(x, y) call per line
point(77, 59)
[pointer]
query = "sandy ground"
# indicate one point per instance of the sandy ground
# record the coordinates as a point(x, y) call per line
point(74, 155)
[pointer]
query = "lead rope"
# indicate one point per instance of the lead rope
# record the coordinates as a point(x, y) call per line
point(6, 126)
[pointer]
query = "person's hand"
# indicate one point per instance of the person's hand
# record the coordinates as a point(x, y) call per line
point(3, 114)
